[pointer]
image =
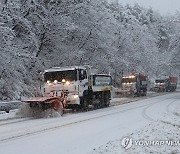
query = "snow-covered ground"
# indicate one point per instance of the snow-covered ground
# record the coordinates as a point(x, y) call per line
point(98, 131)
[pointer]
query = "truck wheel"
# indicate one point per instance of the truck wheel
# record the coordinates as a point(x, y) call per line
point(145, 93)
point(107, 102)
point(102, 101)
point(7, 111)
point(107, 99)
point(138, 93)
point(84, 103)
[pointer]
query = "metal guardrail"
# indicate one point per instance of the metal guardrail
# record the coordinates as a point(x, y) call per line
point(9, 106)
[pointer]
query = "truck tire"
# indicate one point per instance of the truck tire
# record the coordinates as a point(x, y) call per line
point(84, 104)
point(85, 101)
point(102, 99)
point(7, 110)
point(138, 94)
point(107, 97)
point(144, 93)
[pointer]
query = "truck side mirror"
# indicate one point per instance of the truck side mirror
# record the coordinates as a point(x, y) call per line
point(82, 75)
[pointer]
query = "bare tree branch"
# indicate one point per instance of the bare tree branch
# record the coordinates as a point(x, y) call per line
point(41, 44)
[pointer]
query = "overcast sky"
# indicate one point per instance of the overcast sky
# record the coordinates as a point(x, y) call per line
point(163, 6)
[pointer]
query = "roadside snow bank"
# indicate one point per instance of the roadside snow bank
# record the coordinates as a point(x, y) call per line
point(6, 116)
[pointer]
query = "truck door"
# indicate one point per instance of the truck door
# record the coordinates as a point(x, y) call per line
point(83, 81)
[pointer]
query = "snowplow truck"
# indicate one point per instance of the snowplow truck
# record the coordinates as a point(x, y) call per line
point(74, 87)
point(134, 85)
point(167, 84)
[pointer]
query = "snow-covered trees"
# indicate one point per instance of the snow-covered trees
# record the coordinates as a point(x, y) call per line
point(36, 34)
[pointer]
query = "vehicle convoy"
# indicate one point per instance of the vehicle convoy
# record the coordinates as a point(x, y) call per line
point(73, 87)
point(134, 84)
point(166, 84)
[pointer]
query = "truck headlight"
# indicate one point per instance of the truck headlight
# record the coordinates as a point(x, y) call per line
point(67, 82)
point(55, 81)
point(75, 96)
point(49, 83)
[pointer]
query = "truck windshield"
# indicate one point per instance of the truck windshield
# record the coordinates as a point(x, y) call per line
point(70, 75)
point(159, 81)
point(128, 80)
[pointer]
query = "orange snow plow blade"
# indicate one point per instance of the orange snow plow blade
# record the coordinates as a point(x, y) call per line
point(40, 99)
point(44, 103)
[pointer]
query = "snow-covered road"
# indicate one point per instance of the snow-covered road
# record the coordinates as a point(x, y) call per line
point(82, 133)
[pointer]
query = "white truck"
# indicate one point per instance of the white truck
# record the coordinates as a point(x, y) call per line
point(83, 90)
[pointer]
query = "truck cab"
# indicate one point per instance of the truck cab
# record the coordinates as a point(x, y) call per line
point(160, 85)
point(134, 84)
point(82, 88)
point(166, 84)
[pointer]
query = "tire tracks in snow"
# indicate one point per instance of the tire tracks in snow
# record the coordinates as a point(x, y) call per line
point(145, 113)
point(14, 120)
point(169, 105)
